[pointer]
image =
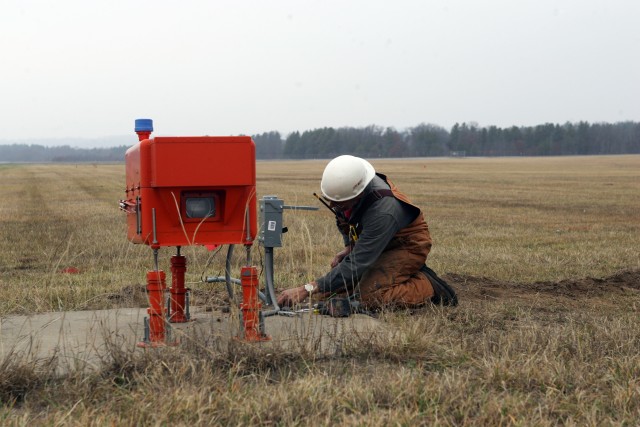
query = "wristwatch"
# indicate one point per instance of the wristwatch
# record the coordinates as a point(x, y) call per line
point(309, 287)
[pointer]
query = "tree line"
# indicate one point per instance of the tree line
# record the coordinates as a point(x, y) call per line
point(427, 140)
point(36, 153)
point(424, 140)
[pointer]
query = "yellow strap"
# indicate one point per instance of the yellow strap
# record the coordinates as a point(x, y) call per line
point(353, 235)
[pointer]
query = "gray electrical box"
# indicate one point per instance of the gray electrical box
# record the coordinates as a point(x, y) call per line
point(271, 208)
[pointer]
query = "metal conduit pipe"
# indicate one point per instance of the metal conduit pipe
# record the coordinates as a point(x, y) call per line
point(270, 288)
point(227, 274)
point(219, 279)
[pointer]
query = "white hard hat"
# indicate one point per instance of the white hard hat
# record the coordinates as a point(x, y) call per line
point(345, 177)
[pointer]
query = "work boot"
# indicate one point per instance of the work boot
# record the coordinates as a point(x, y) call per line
point(443, 293)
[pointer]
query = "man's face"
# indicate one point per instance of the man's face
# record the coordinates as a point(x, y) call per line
point(344, 205)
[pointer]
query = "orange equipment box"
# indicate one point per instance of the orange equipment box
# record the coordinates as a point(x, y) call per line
point(191, 191)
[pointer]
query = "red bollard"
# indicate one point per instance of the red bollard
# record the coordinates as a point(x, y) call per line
point(178, 291)
point(251, 306)
point(155, 290)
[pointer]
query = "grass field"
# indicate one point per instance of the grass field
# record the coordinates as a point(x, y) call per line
point(542, 251)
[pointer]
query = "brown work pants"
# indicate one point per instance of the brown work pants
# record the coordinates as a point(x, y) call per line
point(395, 281)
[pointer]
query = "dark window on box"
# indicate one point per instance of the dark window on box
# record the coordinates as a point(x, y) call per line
point(201, 205)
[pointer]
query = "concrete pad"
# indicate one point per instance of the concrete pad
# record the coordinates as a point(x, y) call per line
point(80, 338)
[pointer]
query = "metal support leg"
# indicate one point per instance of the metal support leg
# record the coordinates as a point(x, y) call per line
point(250, 306)
point(155, 336)
point(178, 290)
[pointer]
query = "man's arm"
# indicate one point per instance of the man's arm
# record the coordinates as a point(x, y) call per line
point(379, 227)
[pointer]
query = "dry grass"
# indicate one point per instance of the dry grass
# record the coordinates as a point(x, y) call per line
point(521, 358)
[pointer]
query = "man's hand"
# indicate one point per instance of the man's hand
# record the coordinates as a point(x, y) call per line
point(294, 295)
point(340, 256)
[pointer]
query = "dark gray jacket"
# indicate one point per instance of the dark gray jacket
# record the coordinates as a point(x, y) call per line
point(379, 223)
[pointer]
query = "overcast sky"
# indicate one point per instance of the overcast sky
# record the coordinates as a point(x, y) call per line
point(89, 68)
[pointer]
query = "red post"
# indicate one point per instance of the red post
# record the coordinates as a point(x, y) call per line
point(155, 290)
point(178, 291)
point(250, 305)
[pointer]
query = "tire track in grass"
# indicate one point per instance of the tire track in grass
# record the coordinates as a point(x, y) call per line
point(36, 221)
